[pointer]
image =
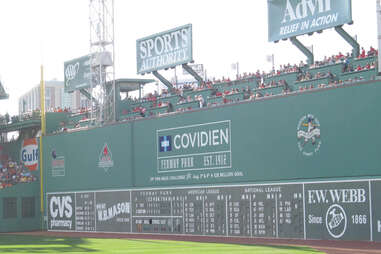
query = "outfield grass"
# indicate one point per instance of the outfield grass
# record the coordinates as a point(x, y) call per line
point(36, 244)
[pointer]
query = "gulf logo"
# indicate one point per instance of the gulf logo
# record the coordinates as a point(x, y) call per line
point(29, 153)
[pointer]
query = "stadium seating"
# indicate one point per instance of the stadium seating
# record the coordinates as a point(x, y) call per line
point(339, 71)
point(226, 91)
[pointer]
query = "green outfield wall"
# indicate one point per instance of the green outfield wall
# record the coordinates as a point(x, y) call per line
point(330, 133)
point(303, 166)
point(19, 187)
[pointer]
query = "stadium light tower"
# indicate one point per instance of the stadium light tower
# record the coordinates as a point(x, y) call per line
point(102, 54)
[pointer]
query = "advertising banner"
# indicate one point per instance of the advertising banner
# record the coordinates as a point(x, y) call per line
point(164, 50)
point(376, 210)
point(30, 153)
point(77, 73)
point(194, 147)
point(61, 212)
point(289, 18)
point(113, 211)
point(337, 211)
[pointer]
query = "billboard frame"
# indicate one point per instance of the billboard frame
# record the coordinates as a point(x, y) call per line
point(188, 49)
point(304, 17)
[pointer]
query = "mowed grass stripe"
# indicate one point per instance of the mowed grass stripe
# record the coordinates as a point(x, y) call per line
point(41, 244)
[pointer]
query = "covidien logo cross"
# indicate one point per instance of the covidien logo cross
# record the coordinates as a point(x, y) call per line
point(165, 144)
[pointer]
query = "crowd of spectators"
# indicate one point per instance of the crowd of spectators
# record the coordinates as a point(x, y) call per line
point(304, 76)
point(180, 100)
point(302, 70)
point(12, 173)
point(349, 68)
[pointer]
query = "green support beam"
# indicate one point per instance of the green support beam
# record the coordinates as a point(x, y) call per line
point(88, 95)
point(350, 40)
point(193, 73)
point(3, 94)
point(304, 49)
point(163, 80)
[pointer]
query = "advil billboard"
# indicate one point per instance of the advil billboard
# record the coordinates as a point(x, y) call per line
point(29, 153)
point(288, 18)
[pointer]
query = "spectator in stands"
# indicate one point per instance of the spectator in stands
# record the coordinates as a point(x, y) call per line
point(346, 65)
point(201, 101)
point(372, 52)
point(142, 112)
point(170, 107)
point(362, 55)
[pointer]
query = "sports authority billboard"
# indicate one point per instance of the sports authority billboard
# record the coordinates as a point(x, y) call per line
point(77, 73)
point(164, 50)
point(289, 18)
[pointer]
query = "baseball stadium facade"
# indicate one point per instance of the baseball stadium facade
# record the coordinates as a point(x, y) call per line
point(288, 154)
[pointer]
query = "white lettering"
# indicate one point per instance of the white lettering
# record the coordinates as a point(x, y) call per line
point(289, 13)
point(184, 37)
point(53, 212)
point(143, 50)
point(304, 9)
point(224, 136)
point(337, 196)
point(157, 40)
point(192, 140)
point(175, 143)
point(61, 206)
point(150, 47)
point(201, 139)
point(176, 36)
point(167, 43)
point(113, 211)
point(185, 144)
point(204, 139)
point(215, 137)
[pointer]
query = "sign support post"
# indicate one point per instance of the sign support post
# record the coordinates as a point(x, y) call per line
point(350, 40)
point(163, 80)
point(304, 49)
point(193, 73)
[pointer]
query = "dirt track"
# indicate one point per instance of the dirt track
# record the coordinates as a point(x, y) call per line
point(328, 246)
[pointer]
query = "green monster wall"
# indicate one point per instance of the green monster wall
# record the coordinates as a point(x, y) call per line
point(252, 142)
point(303, 166)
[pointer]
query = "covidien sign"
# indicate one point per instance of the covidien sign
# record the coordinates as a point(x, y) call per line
point(194, 147)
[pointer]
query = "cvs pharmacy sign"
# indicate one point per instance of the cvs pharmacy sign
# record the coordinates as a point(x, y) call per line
point(61, 206)
point(61, 212)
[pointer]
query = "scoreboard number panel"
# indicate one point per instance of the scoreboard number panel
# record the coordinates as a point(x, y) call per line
point(318, 210)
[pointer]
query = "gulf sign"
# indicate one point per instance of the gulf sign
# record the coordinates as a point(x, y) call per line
point(164, 50)
point(29, 153)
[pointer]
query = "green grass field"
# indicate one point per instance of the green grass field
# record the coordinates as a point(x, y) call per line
point(36, 244)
